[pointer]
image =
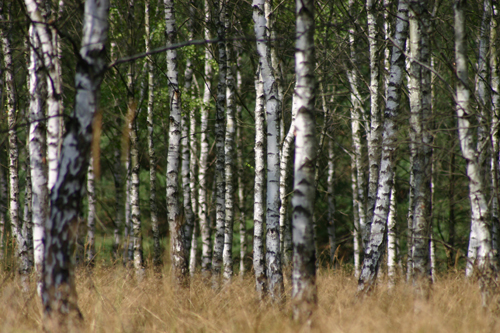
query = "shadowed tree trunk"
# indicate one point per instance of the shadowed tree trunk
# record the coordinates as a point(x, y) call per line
point(59, 296)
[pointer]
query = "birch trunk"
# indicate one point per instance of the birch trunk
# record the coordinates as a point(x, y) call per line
point(286, 154)
point(91, 215)
point(186, 150)
point(128, 243)
point(392, 239)
point(375, 135)
point(193, 162)
point(304, 292)
point(239, 163)
point(273, 111)
point(373, 253)
point(37, 165)
point(421, 142)
point(47, 38)
point(356, 233)
point(177, 253)
point(356, 128)
point(157, 256)
point(479, 253)
point(229, 156)
point(219, 144)
point(15, 222)
point(495, 122)
point(206, 250)
point(259, 206)
point(59, 296)
point(26, 248)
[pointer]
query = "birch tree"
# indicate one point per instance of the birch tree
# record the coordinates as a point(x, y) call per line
point(375, 135)
point(479, 253)
point(420, 93)
point(177, 252)
point(229, 154)
point(59, 296)
point(206, 250)
point(151, 146)
point(258, 206)
point(273, 111)
point(219, 145)
point(39, 14)
point(374, 251)
point(186, 148)
point(91, 214)
point(356, 128)
point(304, 293)
point(36, 151)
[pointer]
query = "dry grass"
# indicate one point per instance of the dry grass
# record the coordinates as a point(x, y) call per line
point(113, 302)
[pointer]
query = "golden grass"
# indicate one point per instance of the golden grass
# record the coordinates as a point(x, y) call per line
point(111, 301)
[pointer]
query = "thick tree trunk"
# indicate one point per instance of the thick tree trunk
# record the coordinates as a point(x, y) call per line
point(26, 248)
point(479, 253)
point(206, 250)
point(37, 156)
point(356, 233)
point(59, 290)
point(259, 206)
point(220, 209)
point(421, 142)
point(304, 293)
point(177, 252)
point(47, 38)
point(273, 111)
point(373, 253)
point(3, 212)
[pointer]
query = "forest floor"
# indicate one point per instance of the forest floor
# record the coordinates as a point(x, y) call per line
point(111, 301)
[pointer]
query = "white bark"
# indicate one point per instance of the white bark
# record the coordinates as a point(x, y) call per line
point(259, 206)
point(286, 154)
point(240, 166)
point(373, 253)
point(332, 241)
point(375, 135)
point(206, 250)
point(48, 40)
point(37, 147)
point(59, 290)
point(177, 252)
point(229, 160)
point(273, 111)
point(479, 253)
point(356, 128)
point(495, 123)
point(91, 214)
point(304, 292)
point(392, 240)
